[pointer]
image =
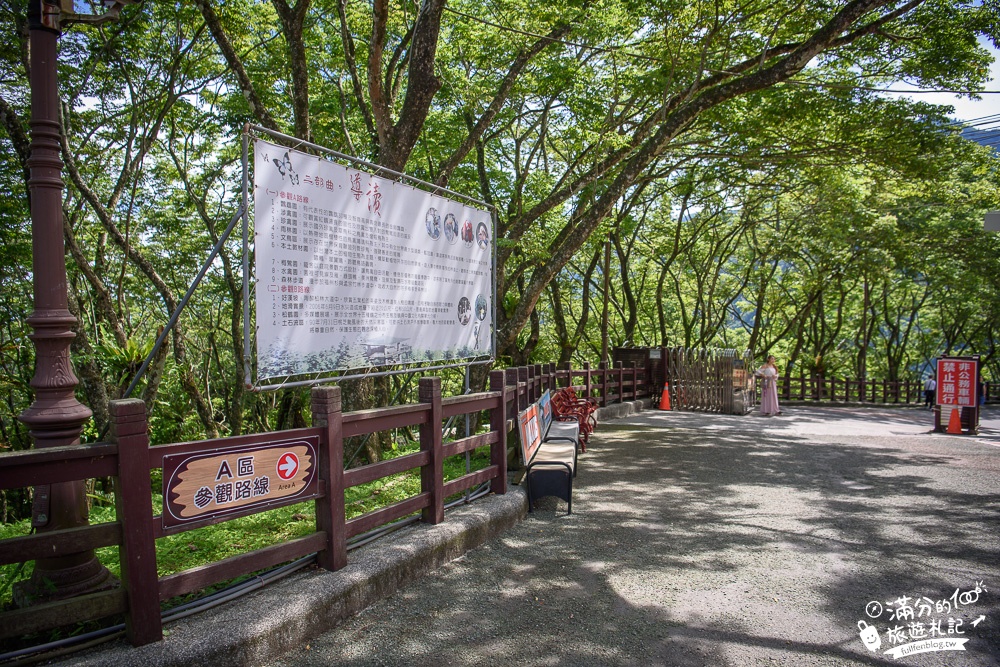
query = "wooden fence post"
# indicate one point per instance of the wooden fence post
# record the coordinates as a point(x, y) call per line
point(510, 376)
point(619, 373)
point(587, 389)
point(134, 506)
point(532, 379)
point(635, 381)
point(330, 515)
point(431, 440)
point(498, 424)
point(620, 382)
point(523, 399)
point(604, 383)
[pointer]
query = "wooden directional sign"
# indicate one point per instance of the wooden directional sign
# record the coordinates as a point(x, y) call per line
point(225, 483)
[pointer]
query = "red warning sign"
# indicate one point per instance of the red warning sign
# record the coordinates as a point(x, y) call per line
point(288, 465)
point(957, 381)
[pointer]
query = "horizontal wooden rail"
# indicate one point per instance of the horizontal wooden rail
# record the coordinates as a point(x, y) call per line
point(380, 517)
point(364, 422)
point(463, 405)
point(59, 542)
point(156, 453)
point(197, 578)
point(470, 443)
point(468, 481)
point(56, 614)
point(57, 464)
point(382, 469)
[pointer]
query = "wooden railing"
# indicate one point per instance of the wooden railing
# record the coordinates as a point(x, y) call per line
point(607, 385)
point(51, 466)
point(130, 459)
point(849, 390)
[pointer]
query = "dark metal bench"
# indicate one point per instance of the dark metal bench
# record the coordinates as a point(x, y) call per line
point(549, 450)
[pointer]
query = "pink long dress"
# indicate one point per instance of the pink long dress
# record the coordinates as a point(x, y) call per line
point(768, 390)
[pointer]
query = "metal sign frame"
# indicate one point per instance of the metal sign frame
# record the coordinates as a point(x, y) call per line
point(376, 170)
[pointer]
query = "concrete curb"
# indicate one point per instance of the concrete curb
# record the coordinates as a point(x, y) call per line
point(622, 410)
point(274, 620)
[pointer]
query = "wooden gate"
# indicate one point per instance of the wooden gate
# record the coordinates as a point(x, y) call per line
point(709, 379)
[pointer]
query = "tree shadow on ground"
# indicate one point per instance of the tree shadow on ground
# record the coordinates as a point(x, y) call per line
point(719, 548)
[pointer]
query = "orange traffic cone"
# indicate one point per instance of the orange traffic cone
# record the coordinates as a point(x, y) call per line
point(955, 421)
point(665, 397)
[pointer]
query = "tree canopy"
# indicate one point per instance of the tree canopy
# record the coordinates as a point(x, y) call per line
point(754, 187)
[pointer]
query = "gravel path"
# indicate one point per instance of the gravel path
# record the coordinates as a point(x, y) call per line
point(717, 540)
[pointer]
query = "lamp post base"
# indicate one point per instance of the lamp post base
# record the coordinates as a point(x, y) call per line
point(52, 585)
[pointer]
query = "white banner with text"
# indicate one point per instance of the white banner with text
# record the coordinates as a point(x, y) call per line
point(354, 270)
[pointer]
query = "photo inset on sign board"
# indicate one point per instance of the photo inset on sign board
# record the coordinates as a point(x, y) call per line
point(450, 227)
point(475, 333)
point(482, 235)
point(464, 310)
point(467, 233)
point(433, 222)
point(481, 307)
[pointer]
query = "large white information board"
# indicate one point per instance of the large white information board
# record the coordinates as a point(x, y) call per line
point(354, 270)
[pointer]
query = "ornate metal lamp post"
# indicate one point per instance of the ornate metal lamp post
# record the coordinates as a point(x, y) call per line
point(56, 418)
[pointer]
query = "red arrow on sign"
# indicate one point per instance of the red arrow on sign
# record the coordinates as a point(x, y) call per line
point(288, 465)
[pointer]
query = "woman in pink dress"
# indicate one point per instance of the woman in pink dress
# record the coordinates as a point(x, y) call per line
point(768, 375)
